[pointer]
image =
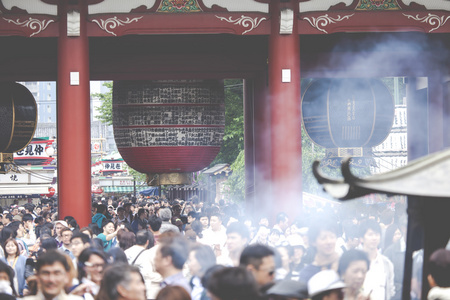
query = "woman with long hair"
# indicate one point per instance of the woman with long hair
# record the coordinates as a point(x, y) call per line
point(16, 261)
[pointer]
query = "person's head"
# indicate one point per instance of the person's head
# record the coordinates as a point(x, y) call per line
point(79, 241)
point(204, 220)
point(155, 223)
point(282, 220)
point(17, 226)
point(234, 283)
point(59, 225)
point(11, 247)
point(142, 213)
point(370, 234)
point(144, 238)
point(287, 289)
point(27, 221)
point(66, 236)
point(173, 292)
point(351, 235)
point(48, 243)
point(88, 231)
point(52, 269)
point(126, 240)
point(7, 218)
point(201, 258)
point(15, 211)
point(176, 210)
point(91, 264)
point(165, 214)
point(172, 253)
point(260, 261)
point(111, 210)
point(101, 209)
point(127, 207)
point(393, 234)
point(117, 255)
point(326, 285)
point(238, 236)
point(353, 266)
point(439, 268)
point(7, 277)
point(108, 226)
point(322, 235)
point(122, 281)
point(46, 207)
point(191, 216)
point(121, 212)
point(215, 222)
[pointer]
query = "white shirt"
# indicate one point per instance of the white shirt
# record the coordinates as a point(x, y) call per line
point(213, 238)
point(377, 278)
point(132, 252)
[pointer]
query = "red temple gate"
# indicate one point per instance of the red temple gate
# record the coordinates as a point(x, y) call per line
point(268, 43)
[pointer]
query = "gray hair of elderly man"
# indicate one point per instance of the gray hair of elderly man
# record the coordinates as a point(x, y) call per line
point(165, 214)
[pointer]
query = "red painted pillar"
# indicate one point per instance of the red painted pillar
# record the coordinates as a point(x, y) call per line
point(74, 138)
point(284, 88)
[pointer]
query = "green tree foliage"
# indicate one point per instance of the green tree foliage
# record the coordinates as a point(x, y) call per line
point(233, 141)
point(235, 185)
point(106, 108)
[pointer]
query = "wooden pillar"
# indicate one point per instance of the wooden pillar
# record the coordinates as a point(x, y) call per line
point(284, 87)
point(74, 139)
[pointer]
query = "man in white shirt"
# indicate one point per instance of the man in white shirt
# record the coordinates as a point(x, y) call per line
point(379, 282)
point(142, 241)
point(238, 236)
point(216, 234)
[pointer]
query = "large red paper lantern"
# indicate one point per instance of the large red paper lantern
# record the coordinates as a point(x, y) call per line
point(168, 126)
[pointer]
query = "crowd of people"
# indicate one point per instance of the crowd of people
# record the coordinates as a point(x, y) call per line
point(154, 248)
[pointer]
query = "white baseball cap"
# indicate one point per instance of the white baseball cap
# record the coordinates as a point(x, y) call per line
point(323, 281)
point(63, 223)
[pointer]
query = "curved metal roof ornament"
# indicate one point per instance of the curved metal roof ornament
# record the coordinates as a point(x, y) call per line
point(424, 177)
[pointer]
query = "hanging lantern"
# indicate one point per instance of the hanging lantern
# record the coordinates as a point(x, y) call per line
point(347, 116)
point(18, 120)
point(166, 128)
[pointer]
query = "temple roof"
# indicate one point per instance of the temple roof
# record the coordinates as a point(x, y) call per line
point(49, 7)
point(425, 177)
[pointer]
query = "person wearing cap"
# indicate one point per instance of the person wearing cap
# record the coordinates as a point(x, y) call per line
point(59, 225)
point(326, 285)
point(296, 258)
point(287, 289)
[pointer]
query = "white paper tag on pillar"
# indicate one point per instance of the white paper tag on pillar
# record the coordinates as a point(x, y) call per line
point(286, 75)
point(74, 78)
